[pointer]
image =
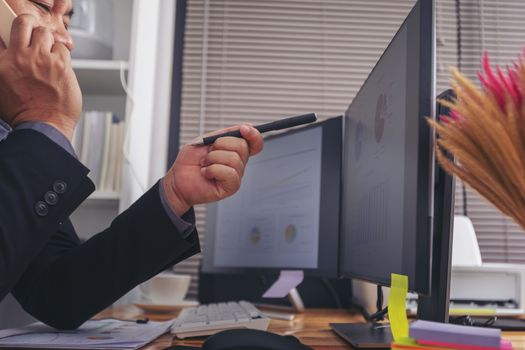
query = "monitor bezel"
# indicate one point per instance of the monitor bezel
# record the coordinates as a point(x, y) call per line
point(425, 174)
point(329, 210)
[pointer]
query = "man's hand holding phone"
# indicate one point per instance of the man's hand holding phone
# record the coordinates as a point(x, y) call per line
point(37, 82)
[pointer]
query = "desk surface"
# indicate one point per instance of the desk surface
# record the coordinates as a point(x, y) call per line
point(311, 328)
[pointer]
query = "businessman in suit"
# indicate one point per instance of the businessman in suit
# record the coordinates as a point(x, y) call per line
point(42, 263)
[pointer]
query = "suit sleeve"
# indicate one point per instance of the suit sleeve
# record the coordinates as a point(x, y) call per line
point(40, 186)
point(69, 283)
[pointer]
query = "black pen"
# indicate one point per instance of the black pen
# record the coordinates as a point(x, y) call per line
point(276, 125)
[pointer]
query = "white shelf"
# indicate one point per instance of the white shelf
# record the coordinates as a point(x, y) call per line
point(99, 195)
point(100, 77)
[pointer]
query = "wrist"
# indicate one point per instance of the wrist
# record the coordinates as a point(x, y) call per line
point(175, 201)
point(64, 125)
point(65, 130)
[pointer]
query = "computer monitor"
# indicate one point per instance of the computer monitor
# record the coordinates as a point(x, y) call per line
point(387, 210)
point(388, 163)
point(389, 202)
point(285, 216)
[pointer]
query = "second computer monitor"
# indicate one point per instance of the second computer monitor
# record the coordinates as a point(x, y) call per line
point(386, 213)
point(286, 213)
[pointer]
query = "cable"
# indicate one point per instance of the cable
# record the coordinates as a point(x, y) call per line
point(458, 34)
point(379, 316)
point(465, 199)
point(459, 54)
point(381, 313)
point(204, 68)
point(127, 126)
point(333, 292)
point(361, 309)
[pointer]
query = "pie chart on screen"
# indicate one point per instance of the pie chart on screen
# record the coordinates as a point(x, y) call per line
point(255, 236)
point(381, 110)
point(290, 233)
point(358, 145)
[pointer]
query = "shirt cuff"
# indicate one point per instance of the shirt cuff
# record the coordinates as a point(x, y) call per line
point(185, 224)
point(5, 129)
point(50, 132)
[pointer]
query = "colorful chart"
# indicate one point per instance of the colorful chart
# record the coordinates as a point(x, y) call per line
point(359, 138)
point(381, 110)
point(290, 233)
point(255, 236)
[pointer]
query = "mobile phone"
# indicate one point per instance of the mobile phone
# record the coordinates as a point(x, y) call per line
point(7, 16)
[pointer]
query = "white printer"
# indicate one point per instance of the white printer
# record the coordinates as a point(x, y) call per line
point(479, 285)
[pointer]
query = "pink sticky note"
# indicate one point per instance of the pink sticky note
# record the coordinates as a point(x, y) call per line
point(287, 281)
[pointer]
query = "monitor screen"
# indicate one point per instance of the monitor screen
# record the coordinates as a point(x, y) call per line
point(286, 213)
point(387, 164)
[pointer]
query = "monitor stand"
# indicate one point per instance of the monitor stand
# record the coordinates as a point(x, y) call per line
point(285, 286)
point(365, 335)
point(286, 313)
point(374, 334)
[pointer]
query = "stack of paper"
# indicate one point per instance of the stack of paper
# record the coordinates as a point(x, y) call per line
point(98, 142)
point(433, 335)
point(101, 334)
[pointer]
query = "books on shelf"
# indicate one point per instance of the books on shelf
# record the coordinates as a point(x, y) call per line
point(98, 142)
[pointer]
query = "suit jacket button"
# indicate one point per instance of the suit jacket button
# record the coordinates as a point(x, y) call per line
point(41, 208)
point(59, 186)
point(51, 197)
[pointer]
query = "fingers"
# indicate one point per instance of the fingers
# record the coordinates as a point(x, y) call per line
point(253, 137)
point(42, 39)
point(22, 30)
point(227, 178)
point(232, 144)
point(231, 159)
point(216, 132)
point(61, 50)
point(198, 139)
point(2, 45)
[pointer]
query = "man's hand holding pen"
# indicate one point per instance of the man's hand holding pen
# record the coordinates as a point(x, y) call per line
point(203, 174)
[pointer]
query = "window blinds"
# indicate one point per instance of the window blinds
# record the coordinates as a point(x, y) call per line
point(261, 60)
point(257, 61)
point(495, 26)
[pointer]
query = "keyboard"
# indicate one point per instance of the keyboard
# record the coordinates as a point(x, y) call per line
point(212, 318)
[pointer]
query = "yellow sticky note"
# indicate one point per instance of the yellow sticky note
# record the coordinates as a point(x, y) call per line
point(397, 312)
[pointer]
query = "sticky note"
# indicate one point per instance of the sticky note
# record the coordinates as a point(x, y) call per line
point(472, 312)
point(455, 334)
point(397, 313)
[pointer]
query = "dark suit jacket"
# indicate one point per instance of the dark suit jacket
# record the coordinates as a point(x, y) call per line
point(55, 278)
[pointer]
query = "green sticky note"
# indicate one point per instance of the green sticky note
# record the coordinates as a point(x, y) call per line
point(472, 312)
point(397, 312)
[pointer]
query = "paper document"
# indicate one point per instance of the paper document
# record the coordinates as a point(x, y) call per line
point(95, 334)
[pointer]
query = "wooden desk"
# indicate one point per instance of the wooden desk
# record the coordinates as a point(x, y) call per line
point(311, 328)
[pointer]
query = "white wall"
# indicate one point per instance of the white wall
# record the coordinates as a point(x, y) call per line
point(150, 87)
point(148, 108)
